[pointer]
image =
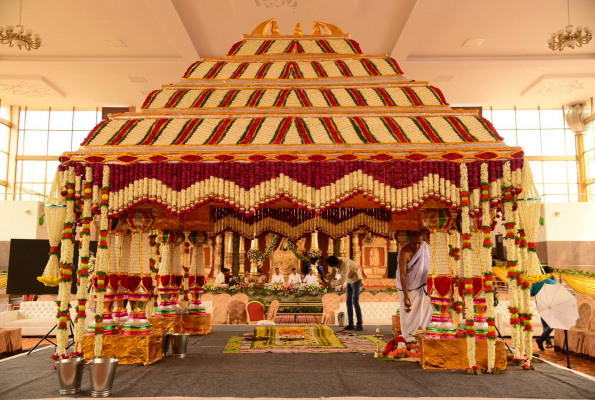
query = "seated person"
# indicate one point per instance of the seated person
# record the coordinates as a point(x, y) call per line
point(310, 279)
point(314, 264)
point(294, 278)
point(278, 278)
point(222, 280)
point(262, 278)
point(247, 278)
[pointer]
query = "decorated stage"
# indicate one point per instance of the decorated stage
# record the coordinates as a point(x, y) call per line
point(349, 374)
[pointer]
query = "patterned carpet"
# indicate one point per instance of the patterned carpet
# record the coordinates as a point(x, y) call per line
point(296, 319)
point(351, 342)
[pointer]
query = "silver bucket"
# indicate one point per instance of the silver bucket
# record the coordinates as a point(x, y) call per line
point(103, 371)
point(166, 339)
point(341, 319)
point(179, 344)
point(70, 375)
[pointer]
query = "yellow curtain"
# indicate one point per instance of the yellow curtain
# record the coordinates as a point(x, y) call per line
point(501, 273)
point(581, 284)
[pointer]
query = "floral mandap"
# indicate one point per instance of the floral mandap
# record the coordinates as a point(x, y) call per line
point(293, 137)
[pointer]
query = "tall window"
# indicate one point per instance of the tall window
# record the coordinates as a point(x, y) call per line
point(549, 147)
point(5, 125)
point(43, 136)
point(590, 161)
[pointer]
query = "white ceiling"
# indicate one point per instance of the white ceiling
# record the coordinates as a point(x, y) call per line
point(163, 37)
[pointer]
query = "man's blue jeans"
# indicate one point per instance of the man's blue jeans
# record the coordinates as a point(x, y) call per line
point(352, 300)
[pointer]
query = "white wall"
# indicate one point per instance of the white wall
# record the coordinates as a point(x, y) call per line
point(568, 222)
point(19, 220)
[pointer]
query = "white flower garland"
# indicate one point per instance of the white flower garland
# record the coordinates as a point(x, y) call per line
point(84, 260)
point(467, 270)
point(66, 266)
point(55, 212)
point(102, 260)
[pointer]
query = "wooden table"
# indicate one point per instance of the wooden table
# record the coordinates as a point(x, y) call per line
point(11, 342)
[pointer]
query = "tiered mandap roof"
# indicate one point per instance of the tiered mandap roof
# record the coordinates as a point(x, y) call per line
point(294, 121)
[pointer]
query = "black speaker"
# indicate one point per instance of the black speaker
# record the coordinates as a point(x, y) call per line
point(393, 265)
point(500, 247)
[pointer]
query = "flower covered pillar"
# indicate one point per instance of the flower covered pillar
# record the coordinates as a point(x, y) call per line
point(66, 265)
point(467, 279)
point(487, 224)
point(529, 208)
point(120, 242)
point(140, 282)
point(440, 278)
point(85, 262)
point(512, 257)
point(154, 267)
point(166, 285)
point(196, 280)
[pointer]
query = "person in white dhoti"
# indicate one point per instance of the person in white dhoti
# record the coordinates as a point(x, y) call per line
point(412, 277)
point(220, 278)
point(310, 279)
point(294, 278)
point(278, 278)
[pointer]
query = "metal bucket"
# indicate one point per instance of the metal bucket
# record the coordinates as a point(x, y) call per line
point(70, 375)
point(341, 319)
point(103, 371)
point(179, 344)
point(166, 340)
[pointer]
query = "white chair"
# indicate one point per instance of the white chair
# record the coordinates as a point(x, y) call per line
point(373, 313)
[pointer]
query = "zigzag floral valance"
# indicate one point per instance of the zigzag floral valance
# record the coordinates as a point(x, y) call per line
point(267, 47)
point(233, 98)
point(295, 223)
point(290, 130)
point(302, 69)
point(398, 186)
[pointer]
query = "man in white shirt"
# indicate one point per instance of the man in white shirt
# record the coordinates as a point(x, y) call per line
point(278, 278)
point(310, 279)
point(351, 274)
point(220, 279)
point(294, 278)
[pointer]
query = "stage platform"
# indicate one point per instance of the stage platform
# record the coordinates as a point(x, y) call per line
point(207, 372)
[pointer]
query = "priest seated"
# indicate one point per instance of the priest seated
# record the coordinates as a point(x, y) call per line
point(310, 279)
point(295, 279)
point(277, 279)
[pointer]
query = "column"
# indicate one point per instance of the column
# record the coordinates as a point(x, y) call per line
point(217, 255)
point(242, 256)
point(357, 254)
point(229, 250)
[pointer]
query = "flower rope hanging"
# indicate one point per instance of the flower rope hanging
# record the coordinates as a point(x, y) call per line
point(85, 262)
point(512, 261)
point(467, 273)
point(256, 255)
point(66, 266)
point(454, 252)
point(55, 213)
point(486, 256)
point(102, 262)
point(293, 249)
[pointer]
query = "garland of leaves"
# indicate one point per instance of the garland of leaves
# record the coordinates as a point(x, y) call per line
point(300, 257)
point(254, 254)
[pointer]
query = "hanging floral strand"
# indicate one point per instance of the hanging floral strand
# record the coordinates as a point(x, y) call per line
point(467, 273)
point(55, 213)
point(511, 261)
point(84, 263)
point(454, 252)
point(66, 267)
point(102, 262)
point(154, 267)
point(529, 208)
point(486, 228)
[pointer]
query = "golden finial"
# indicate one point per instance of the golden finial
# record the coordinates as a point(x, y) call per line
point(298, 30)
point(263, 27)
point(329, 29)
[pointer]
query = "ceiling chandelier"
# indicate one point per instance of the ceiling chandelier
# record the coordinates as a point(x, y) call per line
point(19, 36)
point(568, 37)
